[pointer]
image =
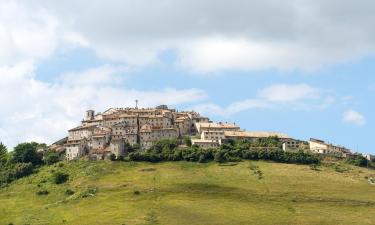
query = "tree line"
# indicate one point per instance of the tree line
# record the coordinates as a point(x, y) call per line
point(261, 149)
point(24, 159)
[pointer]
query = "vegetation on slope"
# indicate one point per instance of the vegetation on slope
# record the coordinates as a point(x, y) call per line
point(24, 160)
point(247, 192)
point(262, 149)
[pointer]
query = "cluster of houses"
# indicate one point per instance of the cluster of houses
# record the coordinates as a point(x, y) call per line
point(101, 134)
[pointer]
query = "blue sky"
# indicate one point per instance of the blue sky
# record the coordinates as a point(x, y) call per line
point(301, 70)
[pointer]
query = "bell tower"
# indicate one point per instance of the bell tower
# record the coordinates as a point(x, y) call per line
point(90, 114)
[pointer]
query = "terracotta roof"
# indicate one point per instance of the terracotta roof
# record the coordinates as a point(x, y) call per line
point(254, 134)
point(217, 125)
point(82, 127)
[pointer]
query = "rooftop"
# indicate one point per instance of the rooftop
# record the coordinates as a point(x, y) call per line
point(254, 134)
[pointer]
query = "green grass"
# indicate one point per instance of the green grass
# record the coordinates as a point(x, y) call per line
point(191, 193)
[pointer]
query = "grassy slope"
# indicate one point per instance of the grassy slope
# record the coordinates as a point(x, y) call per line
point(191, 193)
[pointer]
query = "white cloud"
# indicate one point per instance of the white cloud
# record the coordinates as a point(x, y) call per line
point(354, 117)
point(207, 35)
point(26, 33)
point(41, 111)
point(289, 93)
point(290, 96)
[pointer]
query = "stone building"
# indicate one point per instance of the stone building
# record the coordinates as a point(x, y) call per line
point(321, 147)
point(102, 134)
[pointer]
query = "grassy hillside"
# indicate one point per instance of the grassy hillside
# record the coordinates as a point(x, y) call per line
point(191, 193)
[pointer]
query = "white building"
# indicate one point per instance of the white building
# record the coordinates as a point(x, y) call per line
point(321, 147)
point(206, 143)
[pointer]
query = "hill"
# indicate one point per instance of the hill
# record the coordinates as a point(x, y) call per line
point(249, 192)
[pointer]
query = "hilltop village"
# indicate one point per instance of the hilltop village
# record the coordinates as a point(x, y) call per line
point(101, 134)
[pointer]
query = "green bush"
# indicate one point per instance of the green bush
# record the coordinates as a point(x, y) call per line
point(15, 172)
point(60, 178)
point(167, 150)
point(51, 158)
point(27, 153)
point(89, 192)
point(69, 192)
point(357, 160)
point(112, 157)
point(42, 192)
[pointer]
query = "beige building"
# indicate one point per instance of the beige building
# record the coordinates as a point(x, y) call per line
point(148, 135)
point(202, 127)
point(289, 144)
point(102, 134)
point(215, 135)
point(369, 157)
point(206, 143)
point(321, 147)
point(75, 149)
point(106, 133)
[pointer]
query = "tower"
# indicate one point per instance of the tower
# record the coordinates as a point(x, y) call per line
point(136, 103)
point(90, 114)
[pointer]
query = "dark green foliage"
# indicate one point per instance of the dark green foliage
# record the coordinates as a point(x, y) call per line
point(51, 157)
point(129, 148)
point(357, 160)
point(3, 155)
point(262, 149)
point(187, 141)
point(219, 157)
point(42, 192)
point(59, 177)
point(27, 153)
point(69, 192)
point(14, 172)
point(112, 157)
point(136, 192)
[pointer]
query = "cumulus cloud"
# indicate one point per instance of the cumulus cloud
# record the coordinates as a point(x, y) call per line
point(290, 96)
point(26, 33)
point(213, 35)
point(354, 117)
point(42, 111)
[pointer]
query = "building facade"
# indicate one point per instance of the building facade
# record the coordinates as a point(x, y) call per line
point(102, 134)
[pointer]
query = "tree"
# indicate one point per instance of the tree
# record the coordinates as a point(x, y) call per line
point(112, 157)
point(59, 178)
point(357, 160)
point(3, 155)
point(187, 141)
point(27, 153)
point(51, 157)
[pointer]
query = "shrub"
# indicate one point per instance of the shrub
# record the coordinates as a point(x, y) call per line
point(357, 160)
point(15, 172)
point(219, 157)
point(42, 192)
point(26, 153)
point(136, 192)
point(69, 192)
point(112, 157)
point(59, 178)
point(51, 158)
point(89, 193)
